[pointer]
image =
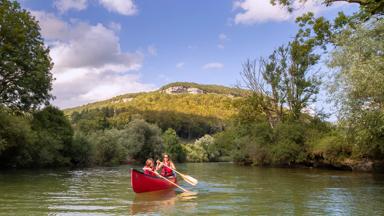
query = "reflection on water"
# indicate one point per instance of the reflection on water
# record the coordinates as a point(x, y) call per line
point(223, 189)
point(161, 201)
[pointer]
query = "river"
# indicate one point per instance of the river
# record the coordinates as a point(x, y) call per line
point(223, 189)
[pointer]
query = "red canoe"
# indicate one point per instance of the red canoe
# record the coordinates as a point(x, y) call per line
point(145, 183)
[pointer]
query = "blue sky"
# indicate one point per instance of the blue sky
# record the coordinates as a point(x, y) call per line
point(103, 48)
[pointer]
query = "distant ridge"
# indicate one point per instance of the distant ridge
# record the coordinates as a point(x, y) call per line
point(205, 88)
point(191, 109)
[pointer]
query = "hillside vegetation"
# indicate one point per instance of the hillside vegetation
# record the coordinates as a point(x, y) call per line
point(191, 115)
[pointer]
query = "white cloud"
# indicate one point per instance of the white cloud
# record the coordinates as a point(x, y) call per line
point(213, 65)
point(89, 87)
point(51, 26)
point(91, 46)
point(88, 61)
point(259, 11)
point(124, 7)
point(65, 5)
point(180, 65)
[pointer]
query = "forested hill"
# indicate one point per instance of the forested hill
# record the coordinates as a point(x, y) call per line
point(191, 109)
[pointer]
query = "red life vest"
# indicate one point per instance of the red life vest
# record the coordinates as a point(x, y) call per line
point(148, 171)
point(165, 171)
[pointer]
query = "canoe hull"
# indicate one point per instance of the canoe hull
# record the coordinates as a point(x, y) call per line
point(146, 183)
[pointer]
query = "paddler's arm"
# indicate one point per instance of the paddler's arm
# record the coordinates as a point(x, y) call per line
point(159, 165)
point(172, 166)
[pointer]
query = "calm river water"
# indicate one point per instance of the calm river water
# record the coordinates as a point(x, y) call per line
point(223, 189)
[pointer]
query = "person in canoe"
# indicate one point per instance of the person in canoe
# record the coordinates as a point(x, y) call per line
point(165, 166)
point(149, 168)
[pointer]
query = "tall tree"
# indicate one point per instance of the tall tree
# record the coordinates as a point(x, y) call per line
point(301, 85)
point(25, 77)
point(142, 140)
point(265, 79)
point(358, 86)
point(285, 78)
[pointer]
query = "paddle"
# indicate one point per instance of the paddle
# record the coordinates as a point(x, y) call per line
point(186, 178)
point(185, 190)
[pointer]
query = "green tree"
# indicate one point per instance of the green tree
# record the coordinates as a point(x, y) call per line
point(108, 149)
point(17, 140)
point(285, 78)
point(358, 86)
point(142, 140)
point(54, 134)
point(359, 62)
point(195, 153)
point(301, 87)
point(289, 143)
point(209, 145)
point(265, 79)
point(172, 145)
point(25, 77)
point(82, 151)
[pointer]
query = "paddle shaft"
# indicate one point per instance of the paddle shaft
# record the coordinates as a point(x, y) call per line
point(183, 176)
point(171, 182)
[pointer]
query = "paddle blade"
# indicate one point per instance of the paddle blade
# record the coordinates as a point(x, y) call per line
point(188, 195)
point(190, 179)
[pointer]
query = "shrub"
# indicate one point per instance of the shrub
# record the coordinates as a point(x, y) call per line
point(17, 140)
point(252, 143)
point(82, 151)
point(207, 142)
point(332, 147)
point(108, 151)
point(368, 134)
point(195, 153)
point(54, 134)
point(142, 140)
point(172, 145)
point(289, 143)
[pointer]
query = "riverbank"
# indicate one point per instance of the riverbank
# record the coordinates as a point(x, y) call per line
point(343, 165)
point(353, 165)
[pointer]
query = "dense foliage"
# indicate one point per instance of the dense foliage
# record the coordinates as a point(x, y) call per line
point(191, 116)
point(288, 143)
point(41, 139)
point(263, 131)
point(358, 87)
point(138, 141)
point(202, 150)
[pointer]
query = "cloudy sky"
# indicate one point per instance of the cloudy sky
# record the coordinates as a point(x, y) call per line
point(103, 48)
